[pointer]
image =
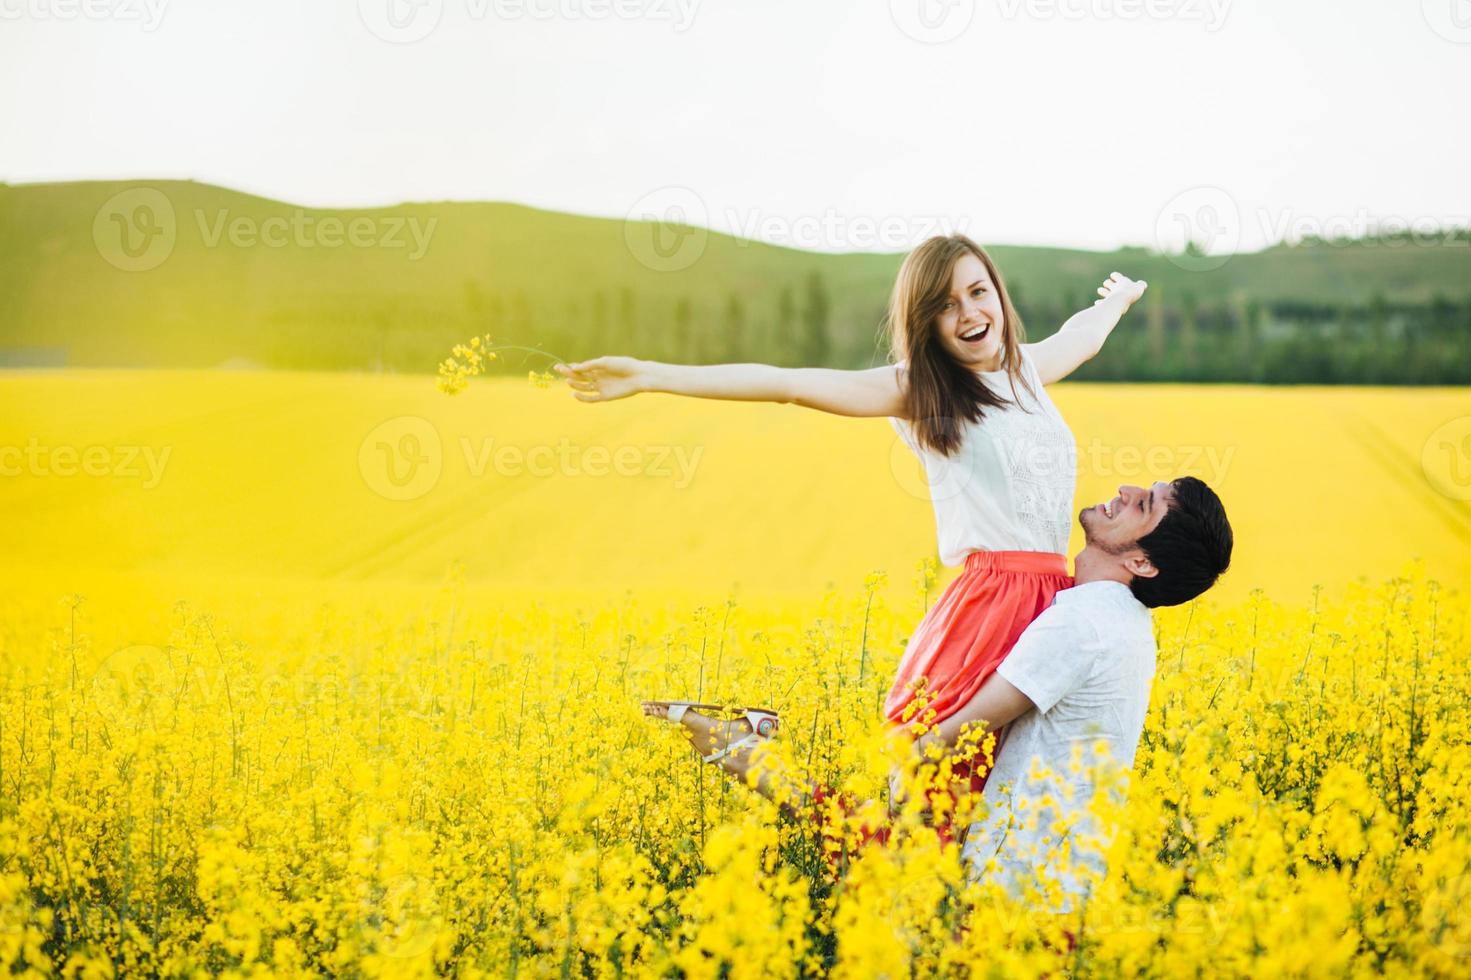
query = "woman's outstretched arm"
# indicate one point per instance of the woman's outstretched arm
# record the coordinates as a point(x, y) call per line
point(862, 394)
point(1082, 336)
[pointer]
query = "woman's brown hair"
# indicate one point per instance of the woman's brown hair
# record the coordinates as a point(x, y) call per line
point(940, 393)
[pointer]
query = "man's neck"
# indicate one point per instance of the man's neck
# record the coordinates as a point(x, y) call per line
point(1094, 565)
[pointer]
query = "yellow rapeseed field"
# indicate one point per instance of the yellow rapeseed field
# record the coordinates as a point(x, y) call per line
point(336, 675)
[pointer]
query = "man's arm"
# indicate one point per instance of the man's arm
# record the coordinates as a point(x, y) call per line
point(1054, 655)
point(997, 703)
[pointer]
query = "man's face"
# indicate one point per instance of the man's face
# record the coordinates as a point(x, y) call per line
point(1117, 525)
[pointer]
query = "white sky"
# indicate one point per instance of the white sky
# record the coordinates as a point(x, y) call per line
point(1041, 121)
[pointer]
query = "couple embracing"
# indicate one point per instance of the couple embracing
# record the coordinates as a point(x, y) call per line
point(1045, 659)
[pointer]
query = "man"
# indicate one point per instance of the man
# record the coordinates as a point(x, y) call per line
point(1081, 675)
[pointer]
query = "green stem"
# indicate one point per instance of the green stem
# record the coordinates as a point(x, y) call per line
point(532, 350)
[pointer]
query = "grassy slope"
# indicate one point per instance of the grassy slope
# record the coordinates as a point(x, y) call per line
point(302, 306)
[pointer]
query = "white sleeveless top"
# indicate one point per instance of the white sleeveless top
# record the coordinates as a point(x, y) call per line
point(1009, 487)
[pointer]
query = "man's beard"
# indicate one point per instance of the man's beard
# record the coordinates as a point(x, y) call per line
point(1089, 541)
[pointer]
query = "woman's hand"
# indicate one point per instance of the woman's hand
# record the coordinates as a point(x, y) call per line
point(603, 379)
point(1120, 289)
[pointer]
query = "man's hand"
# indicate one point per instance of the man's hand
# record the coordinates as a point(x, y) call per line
point(920, 749)
point(930, 739)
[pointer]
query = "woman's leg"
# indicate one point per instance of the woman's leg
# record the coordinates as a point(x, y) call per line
point(798, 798)
point(708, 735)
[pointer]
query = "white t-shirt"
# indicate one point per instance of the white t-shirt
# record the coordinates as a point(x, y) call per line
point(1087, 664)
point(1009, 487)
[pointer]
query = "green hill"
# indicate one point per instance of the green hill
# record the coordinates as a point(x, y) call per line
point(217, 276)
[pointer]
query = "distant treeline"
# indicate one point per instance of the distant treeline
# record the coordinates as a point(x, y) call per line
point(1284, 342)
point(1167, 338)
point(792, 327)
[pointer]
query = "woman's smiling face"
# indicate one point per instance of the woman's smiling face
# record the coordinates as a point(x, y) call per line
point(971, 321)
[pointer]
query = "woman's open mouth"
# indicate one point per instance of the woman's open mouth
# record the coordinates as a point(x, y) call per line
point(977, 335)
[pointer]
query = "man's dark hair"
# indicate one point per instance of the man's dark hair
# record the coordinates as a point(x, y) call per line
point(1191, 547)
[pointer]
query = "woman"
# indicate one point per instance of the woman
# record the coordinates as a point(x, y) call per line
point(968, 397)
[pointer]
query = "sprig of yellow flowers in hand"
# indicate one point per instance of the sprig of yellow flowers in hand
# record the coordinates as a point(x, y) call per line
point(472, 357)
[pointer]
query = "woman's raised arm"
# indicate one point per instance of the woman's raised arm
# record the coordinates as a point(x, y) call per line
point(863, 394)
point(1082, 336)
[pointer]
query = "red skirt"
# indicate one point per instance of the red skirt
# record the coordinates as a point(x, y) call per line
point(972, 628)
point(963, 638)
